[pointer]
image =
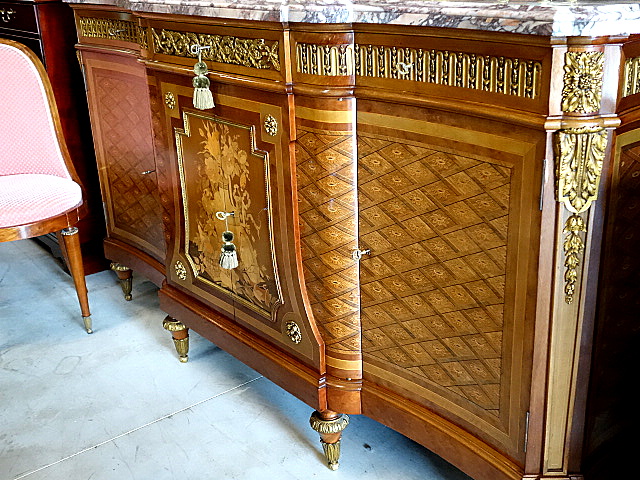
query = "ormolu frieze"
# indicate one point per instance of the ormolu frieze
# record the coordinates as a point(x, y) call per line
point(631, 77)
point(123, 30)
point(582, 88)
point(325, 60)
point(247, 52)
point(509, 76)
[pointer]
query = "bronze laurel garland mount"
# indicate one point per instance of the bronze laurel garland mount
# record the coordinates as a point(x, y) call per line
point(247, 52)
point(580, 153)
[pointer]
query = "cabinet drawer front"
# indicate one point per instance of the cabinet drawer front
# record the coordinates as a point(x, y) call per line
point(114, 29)
point(18, 16)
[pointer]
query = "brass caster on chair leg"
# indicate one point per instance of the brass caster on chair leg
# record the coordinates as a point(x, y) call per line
point(180, 334)
point(87, 324)
point(330, 426)
point(125, 275)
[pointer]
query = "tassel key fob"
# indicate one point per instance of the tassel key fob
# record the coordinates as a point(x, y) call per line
point(202, 96)
point(228, 254)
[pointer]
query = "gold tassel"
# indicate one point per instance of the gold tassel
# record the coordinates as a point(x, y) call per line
point(228, 255)
point(202, 96)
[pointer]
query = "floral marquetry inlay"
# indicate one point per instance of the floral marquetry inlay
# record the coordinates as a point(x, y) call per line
point(582, 88)
point(221, 171)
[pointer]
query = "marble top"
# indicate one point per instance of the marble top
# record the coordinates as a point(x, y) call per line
point(542, 17)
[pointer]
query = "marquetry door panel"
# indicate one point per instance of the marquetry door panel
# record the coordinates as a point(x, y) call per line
point(225, 185)
point(228, 173)
point(121, 119)
point(448, 207)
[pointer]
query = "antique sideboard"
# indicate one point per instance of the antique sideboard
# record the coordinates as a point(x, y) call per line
point(423, 212)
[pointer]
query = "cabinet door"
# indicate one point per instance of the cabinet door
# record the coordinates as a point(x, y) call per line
point(449, 207)
point(121, 121)
point(234, 159)
point(225, 181)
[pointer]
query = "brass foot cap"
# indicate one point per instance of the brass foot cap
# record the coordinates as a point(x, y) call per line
point(128, 298)
point(184, 359)
point(333, 466)
point(87, 324)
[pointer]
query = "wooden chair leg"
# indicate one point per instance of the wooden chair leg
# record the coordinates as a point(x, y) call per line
point(330, 426)
point(71, 250)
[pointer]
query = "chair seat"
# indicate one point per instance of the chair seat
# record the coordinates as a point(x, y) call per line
point(29, 198)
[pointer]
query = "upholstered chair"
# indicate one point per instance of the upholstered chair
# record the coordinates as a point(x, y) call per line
point(40, 192)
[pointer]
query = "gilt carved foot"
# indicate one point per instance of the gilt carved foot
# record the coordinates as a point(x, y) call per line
point(330, 426)
point(180, 334)
point(125, 275)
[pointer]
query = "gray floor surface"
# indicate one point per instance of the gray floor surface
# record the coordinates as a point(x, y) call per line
point(117, 404)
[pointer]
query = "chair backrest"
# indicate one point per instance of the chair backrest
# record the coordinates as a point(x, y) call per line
point(30, 138)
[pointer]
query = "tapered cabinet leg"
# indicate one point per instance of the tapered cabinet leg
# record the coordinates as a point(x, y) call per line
point(330, 426)
point(71, 251)
point(125, 275)
point(180, 334)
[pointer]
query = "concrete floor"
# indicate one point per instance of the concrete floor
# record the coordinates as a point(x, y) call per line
point(117, 405)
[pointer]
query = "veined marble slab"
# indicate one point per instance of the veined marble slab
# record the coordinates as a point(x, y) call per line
point(560, 18)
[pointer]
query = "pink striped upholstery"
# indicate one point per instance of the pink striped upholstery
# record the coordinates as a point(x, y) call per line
point(28, 198)
point(28, 143)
